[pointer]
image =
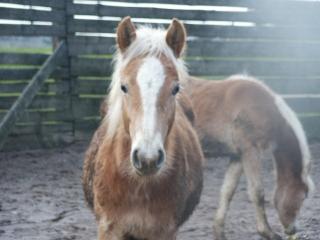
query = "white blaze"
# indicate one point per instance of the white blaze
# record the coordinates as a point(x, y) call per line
point(150, 78)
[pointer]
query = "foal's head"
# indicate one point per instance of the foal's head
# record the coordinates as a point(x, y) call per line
point(147, 82)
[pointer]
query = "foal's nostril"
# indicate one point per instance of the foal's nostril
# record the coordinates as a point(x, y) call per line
point(160, 158)
point(136, 161)
point(147, 165)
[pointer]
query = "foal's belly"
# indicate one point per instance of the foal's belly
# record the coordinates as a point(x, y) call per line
point(213, 147)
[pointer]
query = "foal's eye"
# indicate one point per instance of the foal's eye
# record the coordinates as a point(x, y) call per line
point(175, 90)
point(124, 88)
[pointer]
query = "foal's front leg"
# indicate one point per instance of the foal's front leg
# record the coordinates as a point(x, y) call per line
point(253, 169)
point(228, 188)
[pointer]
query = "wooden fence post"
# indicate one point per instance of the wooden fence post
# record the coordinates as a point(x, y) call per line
point(30, 91)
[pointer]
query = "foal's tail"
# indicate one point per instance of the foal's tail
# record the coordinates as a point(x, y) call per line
point(293, 162)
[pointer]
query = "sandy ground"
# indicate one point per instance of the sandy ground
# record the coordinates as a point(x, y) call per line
point(41, 198)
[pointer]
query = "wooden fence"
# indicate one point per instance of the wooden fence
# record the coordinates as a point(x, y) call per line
point(275, 40)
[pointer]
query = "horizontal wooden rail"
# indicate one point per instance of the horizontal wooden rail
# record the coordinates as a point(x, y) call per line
point(26, 74)
point(32, 15)
point(25, 99)
point(257, 67)
point(232, 3)
point(39, 102)
point(279, 13)
point(57, 87)
point(82, 45)
point(23, 58)
point(44, 3)
point(211, 31)
point(31, 30)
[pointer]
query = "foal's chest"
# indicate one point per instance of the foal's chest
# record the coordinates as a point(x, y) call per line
point(140, 223)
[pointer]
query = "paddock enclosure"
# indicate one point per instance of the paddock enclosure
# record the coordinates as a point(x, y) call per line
point(276, 40)
point(50, 96)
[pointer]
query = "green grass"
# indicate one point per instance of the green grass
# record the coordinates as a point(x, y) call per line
point(106, 56)
point(17, 94)
point(18, 66)
point(14, 94)
point(94, 96)
point(34, 110)
point(46, 123)
point(46, 94)
point(26, 50)
point(108, 78)
point(5, 82)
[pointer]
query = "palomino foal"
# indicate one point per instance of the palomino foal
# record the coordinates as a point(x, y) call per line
point(143, 170)
point(243, 119)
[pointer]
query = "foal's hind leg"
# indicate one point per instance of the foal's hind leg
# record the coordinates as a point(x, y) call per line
point(252, 165)
point(228, 188)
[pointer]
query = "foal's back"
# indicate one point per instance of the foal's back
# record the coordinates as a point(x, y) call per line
point(223, 107)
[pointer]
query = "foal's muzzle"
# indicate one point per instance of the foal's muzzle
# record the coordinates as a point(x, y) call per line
point(147, 165)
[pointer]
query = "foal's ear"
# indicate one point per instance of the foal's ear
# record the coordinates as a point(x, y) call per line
point(176, 37)
point(126, 33)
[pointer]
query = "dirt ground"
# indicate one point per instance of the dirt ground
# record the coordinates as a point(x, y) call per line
point(41, 198)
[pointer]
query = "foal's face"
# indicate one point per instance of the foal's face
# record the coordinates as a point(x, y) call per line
point(149, 87)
